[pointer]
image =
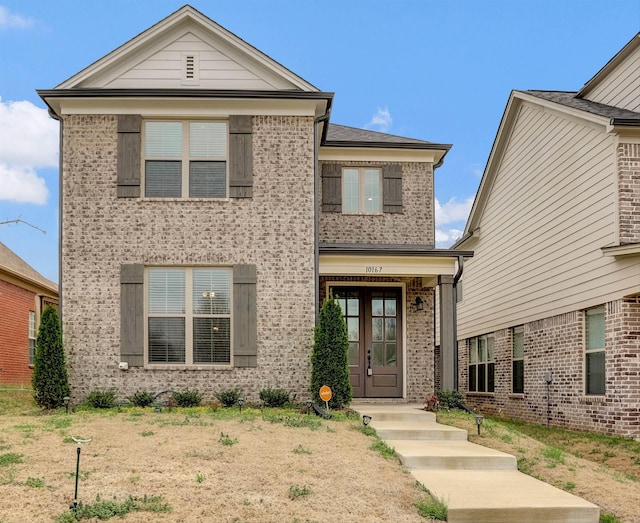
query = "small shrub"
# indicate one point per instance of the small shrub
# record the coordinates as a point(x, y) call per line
point(227, 440)
point(228, 397)
point(274, 397)
point(187, 398)
point(101, 399)
point(142, 398)
point(431, 403)
point(451, 399)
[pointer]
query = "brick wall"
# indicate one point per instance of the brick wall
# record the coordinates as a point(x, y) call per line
point(15, 304)
point(415, 225)
point(629, 192)
point(555, 345)
point(273, 230)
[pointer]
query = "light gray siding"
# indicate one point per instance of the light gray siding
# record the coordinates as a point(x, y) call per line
point(549, 213)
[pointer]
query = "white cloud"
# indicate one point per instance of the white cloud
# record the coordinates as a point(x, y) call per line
point(453, 211)
point(28, 141)
point(8, 19)
point(380, 121)
point(447, 237)
point(22, 184)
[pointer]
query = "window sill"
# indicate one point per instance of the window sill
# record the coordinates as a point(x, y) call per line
point(182, 200)
point(151, 366)
point(477, 394)
point(598, 399)
point(363, 214)
point(516, 395)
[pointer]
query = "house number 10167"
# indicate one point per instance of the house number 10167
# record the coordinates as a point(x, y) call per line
point(369, 269)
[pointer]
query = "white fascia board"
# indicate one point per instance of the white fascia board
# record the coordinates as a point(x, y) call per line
point(363, 154)
point(632, 249)
point(187, 108)
point(376, 265)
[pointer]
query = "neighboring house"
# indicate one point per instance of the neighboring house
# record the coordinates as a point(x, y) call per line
point(208, 207)
point(24, 293)
point(549, 321)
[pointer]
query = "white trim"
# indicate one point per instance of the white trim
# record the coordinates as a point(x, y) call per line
point(368, 265)
point(403, 287)
point(379, 154)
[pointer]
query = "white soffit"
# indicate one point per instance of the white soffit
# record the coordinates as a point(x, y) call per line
point(380, 154)
point(375, 265)
point(156, 59)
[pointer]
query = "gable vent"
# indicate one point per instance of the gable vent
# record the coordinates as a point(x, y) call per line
point(190, 74)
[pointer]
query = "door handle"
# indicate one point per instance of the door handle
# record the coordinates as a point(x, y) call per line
point(369, 369)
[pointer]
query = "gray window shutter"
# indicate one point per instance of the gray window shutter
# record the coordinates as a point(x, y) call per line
point(132, 314)
point(240, 156)
point(129, 155)
point(245, 322)
point(392, 188)
point(331, 187)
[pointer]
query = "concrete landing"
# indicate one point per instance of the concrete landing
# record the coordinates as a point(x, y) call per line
point(479, 485)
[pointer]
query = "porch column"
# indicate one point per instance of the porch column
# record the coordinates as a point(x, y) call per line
point(447, 364)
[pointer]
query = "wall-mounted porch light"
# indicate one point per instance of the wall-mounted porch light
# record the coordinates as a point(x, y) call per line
point(418, 304)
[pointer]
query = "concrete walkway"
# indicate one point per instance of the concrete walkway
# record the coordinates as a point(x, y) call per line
point(478, 484)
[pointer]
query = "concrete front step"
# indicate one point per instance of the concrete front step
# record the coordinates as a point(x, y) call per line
point(451, 455)
point(418, 431)
point(502, 496)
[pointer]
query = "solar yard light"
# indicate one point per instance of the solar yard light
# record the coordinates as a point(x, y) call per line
point(66, 401)
point(240, 404)
point(366, 420)
point(479, 419)
point(79, 441)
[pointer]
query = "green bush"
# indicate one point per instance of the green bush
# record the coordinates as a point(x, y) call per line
point(451, 399)
point(50, 381)
point(142, 398)
point(274, 397)
point(101, 399)
point(187, 398)
point(228, 397)
point(329, 360)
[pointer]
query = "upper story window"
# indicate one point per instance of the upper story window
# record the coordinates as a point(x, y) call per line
point(185, 159)
point(594, 327)
point(361, 190)
point(481, 364)
point(189, 315)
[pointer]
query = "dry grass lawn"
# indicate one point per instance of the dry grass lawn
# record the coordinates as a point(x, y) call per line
point(209, 466)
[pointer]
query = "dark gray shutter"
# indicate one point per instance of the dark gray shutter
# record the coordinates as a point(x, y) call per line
point(240, 156)
point(245, 321)
point(392, 188)
point(331, 187)
point(132, 314)
point(129, 153)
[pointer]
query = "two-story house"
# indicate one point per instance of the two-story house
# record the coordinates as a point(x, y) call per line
point(24, 294)
point(549, 320)
point(208, 207)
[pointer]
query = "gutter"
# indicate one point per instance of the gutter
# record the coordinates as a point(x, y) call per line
point(456, 279)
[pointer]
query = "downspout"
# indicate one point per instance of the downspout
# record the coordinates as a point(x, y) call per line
point(55, 116)
point(316, 209)
point(456, 279)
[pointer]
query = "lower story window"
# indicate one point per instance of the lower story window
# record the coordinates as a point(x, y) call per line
point(594, 351)
point(481, 364)
point(189, 315)
point(32, 337)
point(517, 360)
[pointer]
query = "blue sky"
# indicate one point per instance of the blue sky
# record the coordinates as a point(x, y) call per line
point(437, 70)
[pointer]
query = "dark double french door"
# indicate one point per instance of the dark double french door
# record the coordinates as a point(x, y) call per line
point(374, 323)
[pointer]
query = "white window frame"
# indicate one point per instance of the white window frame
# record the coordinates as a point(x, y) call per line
point(473, 344)
point(516, 330)
point(185, 158)
point(594, 350)
point(188, 315)
point(361, 190)
point(32, 337)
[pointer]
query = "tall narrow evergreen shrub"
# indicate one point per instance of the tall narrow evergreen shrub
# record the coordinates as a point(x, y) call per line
point(50, 381)
point(329, 360)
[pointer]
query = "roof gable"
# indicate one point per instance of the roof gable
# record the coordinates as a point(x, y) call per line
point(187, 50)
point(618, 82)
point(13, 265)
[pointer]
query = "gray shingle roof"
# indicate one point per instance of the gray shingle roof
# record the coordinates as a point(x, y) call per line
point(570, 99)
point(344, 135)
point(11, 262)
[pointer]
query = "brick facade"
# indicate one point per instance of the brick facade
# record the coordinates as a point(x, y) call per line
point(415, 225)
point(555, 345)
point(101, 231)
point(629, 192)
point(15, 304)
